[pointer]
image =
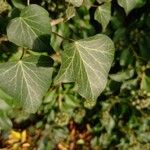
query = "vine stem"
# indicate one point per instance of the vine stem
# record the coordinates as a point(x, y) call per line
point(23, 52)
point(28, 2)
point(63, 37)
point(56, 21)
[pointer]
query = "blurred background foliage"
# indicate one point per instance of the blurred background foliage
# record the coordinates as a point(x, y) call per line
point(120, 119)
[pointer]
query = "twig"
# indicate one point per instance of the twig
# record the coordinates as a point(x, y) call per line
point(63, 37)
point(28, 2)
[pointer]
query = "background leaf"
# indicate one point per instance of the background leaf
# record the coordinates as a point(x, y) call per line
point(31, 29)
point(87, 62)
point(76, 3)
point(26, 80)
point(19, 3)
point(70, 12)
point(103, 14)
point(145, 83)
point(129, 5)
point(5, 122)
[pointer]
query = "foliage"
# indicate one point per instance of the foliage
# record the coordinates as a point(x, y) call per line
point(88, 98)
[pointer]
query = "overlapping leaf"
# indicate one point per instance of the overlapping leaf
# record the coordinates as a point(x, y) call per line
point(31, 29)
point(87, 63)
point(76, 3)
point(129, 5)
point(19, 4)
point(26, 80)
point(103, 14)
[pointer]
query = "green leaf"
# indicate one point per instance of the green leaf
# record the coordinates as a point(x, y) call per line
point(19, 3)
point(26, 80)
point(129, 5)
point(70, 12)
point(31, 29)
point(87, 63)
point(122, 75)
point(5, 122)
point(145, 83)
point(103, 14)
point(126, 57)
point(103, 1)
point(76, 3)
point(3, 105)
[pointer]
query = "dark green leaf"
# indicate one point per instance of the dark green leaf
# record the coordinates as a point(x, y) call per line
point(87, 63)
point(31, 29)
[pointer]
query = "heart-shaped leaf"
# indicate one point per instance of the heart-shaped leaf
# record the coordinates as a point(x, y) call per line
point(87, 63)
point(31, 29)
point(129, 5)
point(103, 14)
point(26, 80)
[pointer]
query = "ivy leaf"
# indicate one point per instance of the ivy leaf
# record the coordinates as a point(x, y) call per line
point(31, 29)
point(87, 63)
point(145, 83)
point(26, 80)
point(19, 4)
point(70, 12)
point(5, 122)
point(103, 1)
point(129, 5)
point(103, 14)
point(76, 3)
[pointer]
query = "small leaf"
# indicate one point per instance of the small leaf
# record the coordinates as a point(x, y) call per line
point(129, 5)
point(76, 3)
point(103, 14)
point(122, 75)
point(145, 83)
point(70, 12)
point(31, 29)
point(19, 3)
point(103, 1)
point(5, 122)
point(26, 80)
point(87, 63)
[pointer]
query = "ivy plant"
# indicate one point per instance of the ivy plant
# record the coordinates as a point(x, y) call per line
point(44, 58)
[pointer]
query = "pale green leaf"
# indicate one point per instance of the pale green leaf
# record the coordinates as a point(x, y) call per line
point(103, 14)
point(31, 29)
point(145, 83)
point(5, 122)
point(70, 12)
point(87, 63)
point(19, 3)
point(103, 1)
point(122, 75)
point(76, 3)
point(26, 80)
point(3, 105)
point(129, 5)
